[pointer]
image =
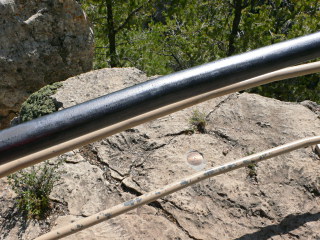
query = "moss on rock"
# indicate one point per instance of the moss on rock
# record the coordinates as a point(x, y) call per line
point(40, 103)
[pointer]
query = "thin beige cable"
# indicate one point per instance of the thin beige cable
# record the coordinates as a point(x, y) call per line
point(56, 150)
point(176, 186)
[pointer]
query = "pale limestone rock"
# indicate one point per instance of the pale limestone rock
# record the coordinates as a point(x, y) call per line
point(41, 42)
point(281, 201)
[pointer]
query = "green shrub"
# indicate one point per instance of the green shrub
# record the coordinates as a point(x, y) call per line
point(40, 103)
point(33, 187)
point(198, 122)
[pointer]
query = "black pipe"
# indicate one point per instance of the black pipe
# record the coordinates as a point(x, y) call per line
point(64, 125)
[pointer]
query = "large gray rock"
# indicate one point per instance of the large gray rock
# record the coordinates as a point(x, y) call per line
point(40, 42)
point(280, 200)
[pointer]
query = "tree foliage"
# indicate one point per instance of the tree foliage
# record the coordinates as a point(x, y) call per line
point(160, 37)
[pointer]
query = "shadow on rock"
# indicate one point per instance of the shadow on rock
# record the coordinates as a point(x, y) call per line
point(12, 218)
point(288, 224)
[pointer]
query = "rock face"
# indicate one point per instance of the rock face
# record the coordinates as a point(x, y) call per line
point(277, 199)
point(40, 42)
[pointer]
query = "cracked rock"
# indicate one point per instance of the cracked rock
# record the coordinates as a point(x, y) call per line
point(282, 203)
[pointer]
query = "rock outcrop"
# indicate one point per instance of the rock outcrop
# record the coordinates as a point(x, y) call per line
point(41, 42)
point(277, 199)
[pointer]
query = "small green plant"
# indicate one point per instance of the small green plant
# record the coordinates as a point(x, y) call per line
point(252, 167)
point(33, 187)
point(252, 170)
point(198, 122)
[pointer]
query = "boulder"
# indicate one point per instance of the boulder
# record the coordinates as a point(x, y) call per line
point(41, 42)
point(276, 199)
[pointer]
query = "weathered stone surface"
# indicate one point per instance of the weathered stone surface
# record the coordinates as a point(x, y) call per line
point(142, 223)
point(12, 226)
point(279, 200)
point(40, 42)
point(97, 83)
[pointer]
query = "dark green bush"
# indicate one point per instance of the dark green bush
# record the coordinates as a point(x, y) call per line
point(40, 103)
point(292, 90)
